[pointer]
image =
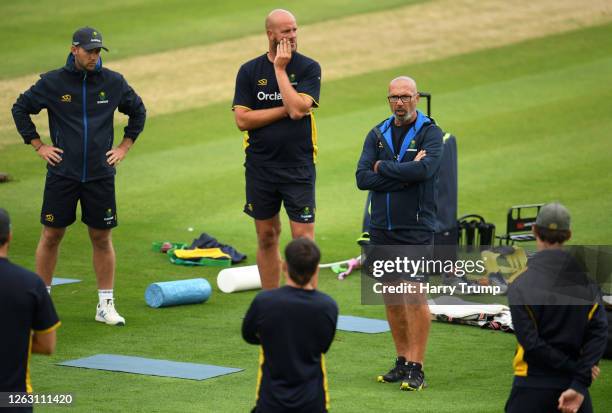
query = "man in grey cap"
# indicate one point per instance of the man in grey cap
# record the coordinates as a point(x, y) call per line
point(81, 99)
point(28, 318)
point(560, 324)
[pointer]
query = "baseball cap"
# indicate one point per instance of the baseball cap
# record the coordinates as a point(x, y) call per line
point(553, 216)
point(88, 38)
point(5, 223)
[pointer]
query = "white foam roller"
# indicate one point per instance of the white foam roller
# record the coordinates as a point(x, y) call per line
point(244, 278)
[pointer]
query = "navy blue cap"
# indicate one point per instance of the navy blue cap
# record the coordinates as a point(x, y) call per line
point(88, 38)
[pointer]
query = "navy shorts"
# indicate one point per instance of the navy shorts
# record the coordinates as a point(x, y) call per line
point(264, 198)
point(97, 199)
point(401, 237)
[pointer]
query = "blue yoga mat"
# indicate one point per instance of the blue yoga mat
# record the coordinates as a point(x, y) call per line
point(165, 294)
point(150, 367)
point(60, 281)
point(362, 324)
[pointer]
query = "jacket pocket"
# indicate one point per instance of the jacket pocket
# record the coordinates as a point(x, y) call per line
point(378, 208)
point(57, 138)
point(404, 207)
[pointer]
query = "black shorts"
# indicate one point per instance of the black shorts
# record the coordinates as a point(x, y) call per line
point(97, 198)
point(535, 400)
point(401, 237)
point(264, 198)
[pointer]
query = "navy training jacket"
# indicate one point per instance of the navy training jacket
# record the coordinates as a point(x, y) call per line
point(80, 106)
point(403, 191)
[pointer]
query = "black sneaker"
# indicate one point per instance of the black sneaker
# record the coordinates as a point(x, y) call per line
point(414, 378)
point(396, 373)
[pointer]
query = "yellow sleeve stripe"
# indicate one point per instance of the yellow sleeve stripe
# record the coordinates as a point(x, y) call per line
point(50, 329)
point(241, 106)
point(28, 379)
point(592, 312)
point(245, 140)
point(259, 372)
point(311, 98)
point(314, 137)
point(325, 383)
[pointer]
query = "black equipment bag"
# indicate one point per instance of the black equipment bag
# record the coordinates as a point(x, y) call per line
point(475, 232)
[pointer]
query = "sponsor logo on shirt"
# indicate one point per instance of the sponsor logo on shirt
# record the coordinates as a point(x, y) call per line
point(262, 82)
point(102, 98)
point(66, 98)
point(269, 96)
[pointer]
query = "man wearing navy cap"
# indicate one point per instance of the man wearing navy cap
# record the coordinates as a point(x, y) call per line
point(81, 99)
point(560, 324)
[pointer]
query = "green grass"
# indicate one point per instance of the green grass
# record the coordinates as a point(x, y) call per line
point(532, 122)
point(36, 34)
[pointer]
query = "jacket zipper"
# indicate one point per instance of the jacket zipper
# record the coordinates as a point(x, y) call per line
point(389, 227)
point(57, 138)
point(84, 127)
point(396, 158)
point(388, 211)
point(419, 203)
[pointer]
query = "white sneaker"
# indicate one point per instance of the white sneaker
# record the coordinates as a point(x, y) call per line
point(106, 313)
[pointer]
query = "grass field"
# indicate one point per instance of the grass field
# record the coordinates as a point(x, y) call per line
point(533, 124)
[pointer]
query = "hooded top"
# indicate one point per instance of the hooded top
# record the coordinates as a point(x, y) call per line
point(80, 106)
point(560, 324)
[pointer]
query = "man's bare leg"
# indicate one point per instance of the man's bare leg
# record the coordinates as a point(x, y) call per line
point(398, 322)
point(47, 252)
point(268, 253)
point(103, 257)
point(306, 230)
point(419, 321)
point(104, 266)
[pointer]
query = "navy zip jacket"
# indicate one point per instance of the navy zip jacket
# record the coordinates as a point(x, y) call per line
point(403, 191)
point(557, 344)
point(80, 106)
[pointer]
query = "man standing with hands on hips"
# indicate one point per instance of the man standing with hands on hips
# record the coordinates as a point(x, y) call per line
point(273, 102)
point(81, 99)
